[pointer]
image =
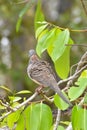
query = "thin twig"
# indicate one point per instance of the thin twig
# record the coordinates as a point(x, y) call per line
point(83, 45)
point(57, 120)
point(69, 80)
point(72, 30)
point(71, 69)
point(77, 74)
point(46, 98)
point(19, 106)
point(82, 61)
point(5, 115)
point(27, 101)
point(7, 106)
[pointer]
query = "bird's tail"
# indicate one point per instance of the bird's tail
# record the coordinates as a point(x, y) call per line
point(58, 91)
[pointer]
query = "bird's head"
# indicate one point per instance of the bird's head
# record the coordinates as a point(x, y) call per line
point(32, 52)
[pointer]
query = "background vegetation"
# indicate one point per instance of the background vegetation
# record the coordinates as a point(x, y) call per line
point(17, 36)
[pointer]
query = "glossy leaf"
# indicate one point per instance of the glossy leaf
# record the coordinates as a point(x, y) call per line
point(40, 29)
point(21, 123)
point(37, 117)
point(39, 47)
point(62, 65)
point(2, 108)
point(14, 99)
point(52, 40)
point(60, 103)
point(18, 24)
point(60, 128)
point(84, 74)
point(59, 44)
point(74, 92)
point(39, 16)
point(79, 118)
point(24, 10)
point(12, 119)
point(46, 40)
point(23, 92)
point(6, 89)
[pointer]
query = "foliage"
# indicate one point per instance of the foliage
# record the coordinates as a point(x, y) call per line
point(74, 92)
point(38, 116)
point(79, 118)
point(24, 10)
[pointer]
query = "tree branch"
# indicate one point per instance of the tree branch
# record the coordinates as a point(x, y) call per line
point(57, 119)
point(19, 106)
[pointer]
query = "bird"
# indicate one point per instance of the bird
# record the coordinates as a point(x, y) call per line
point(41, 73)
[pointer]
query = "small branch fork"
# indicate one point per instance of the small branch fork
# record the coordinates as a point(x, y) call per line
point(18, 107)
point(82, 65)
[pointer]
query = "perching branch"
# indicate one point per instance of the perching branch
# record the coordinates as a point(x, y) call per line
point(82, 65)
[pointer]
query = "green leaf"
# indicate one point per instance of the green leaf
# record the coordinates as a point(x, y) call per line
point(84, 74)
point(13, 118)
point(60, 103)
point(65, 122)
point(24, 10)
point(74, 92)
point(46, 40)
point(2, 108)
point(53, 38)
point(60, 127)
point(21, 123)
point(39, 17)
point(79, 118)
point(23, 92)
point(62, 65)
point(18, 24)
point(14, 99)
point(49, 41)
point(40, 29)
point(6, 89)
point(59, 44)
point(37, 117)
point(39, 47)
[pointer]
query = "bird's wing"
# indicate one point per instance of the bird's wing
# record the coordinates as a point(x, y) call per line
point(41, 72)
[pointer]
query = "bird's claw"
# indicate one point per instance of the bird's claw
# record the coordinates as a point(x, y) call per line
point(39, 89)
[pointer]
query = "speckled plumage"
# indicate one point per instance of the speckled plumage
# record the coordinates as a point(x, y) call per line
point(40, 72)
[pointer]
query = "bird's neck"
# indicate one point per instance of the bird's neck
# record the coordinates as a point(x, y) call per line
point(33, 59)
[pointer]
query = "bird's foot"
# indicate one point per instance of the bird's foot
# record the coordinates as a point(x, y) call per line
point(39, 89)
